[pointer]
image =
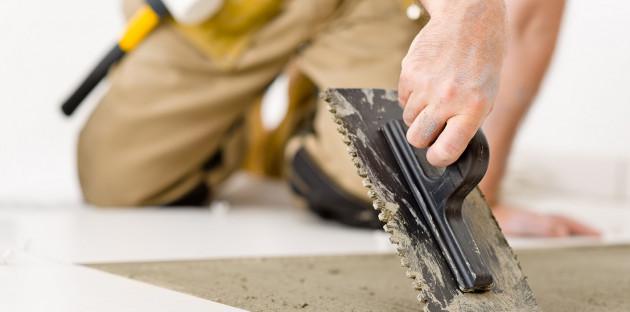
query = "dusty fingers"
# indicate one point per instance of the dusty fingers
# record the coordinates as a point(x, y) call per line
point(450, 76)
point(445, 121)
point(451, 142)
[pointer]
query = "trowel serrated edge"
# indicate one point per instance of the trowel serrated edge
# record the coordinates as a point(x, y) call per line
point(391, 215)
point(387, 210)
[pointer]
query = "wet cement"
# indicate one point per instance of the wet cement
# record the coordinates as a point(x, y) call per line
point(579, 279)
point(568, 279)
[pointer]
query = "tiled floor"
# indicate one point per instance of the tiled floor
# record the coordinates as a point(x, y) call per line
point(35, 283)
point(41, 247)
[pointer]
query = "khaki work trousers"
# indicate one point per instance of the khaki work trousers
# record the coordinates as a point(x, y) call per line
point(171, 108)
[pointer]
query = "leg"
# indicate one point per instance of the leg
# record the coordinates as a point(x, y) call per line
point(154, 135)
point(171, 122)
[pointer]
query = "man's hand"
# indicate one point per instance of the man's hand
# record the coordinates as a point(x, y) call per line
point(516, 222)
point(450, 75)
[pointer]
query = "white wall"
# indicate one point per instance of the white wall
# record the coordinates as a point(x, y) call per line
point(47, 47)
point(584, 105)
point(576, 138)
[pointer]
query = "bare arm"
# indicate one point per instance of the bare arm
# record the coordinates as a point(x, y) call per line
point(450, 75)
point(533, 27)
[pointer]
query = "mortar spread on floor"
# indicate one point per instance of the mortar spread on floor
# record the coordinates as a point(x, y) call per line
point(563, 279)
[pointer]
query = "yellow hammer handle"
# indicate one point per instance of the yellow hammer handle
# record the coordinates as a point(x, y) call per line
point(138, 27)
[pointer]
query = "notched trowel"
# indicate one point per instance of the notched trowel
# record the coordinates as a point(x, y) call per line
point(444, 231)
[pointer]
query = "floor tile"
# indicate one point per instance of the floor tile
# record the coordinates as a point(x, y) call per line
point(30, 283)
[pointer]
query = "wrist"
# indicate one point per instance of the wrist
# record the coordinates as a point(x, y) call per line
point(453, 10)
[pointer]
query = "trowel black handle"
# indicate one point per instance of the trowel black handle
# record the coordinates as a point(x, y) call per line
point(439, 197)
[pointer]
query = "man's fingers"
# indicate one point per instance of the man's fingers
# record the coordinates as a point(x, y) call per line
point(525, 223)
point(425, 128)
point(452, 142)
point(558, 230)
point(577, 228)
point(412, 109)
point(516, 222)
point(404, 92)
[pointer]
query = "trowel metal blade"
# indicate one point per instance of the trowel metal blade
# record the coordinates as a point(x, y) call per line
point(360, 114)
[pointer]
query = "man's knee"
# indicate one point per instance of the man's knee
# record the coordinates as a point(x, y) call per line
point(111, 175)
point(120, 188)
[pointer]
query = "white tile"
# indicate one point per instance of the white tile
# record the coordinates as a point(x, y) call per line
point(254, 218)
point(519, 243)
point(95, 235)
point(30, 283)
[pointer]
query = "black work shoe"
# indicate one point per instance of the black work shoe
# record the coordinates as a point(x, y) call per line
point(327, 199)
point(197, 197)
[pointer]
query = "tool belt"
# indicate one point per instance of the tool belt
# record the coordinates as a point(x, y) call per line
point(223, 37)
point(226, 35)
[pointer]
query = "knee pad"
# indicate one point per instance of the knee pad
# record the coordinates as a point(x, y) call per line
point(326, 198)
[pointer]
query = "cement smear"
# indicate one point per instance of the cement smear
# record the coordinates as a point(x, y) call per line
point(337, 283)
point(571, 279)
point(579, 279)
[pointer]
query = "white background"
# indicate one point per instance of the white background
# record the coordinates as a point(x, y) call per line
point(582, 115)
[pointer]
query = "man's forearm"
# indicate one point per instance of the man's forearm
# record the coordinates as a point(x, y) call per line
point(533, 27)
